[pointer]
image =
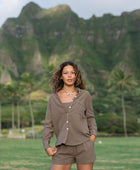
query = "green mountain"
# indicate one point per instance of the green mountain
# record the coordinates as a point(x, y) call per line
point(39, 38)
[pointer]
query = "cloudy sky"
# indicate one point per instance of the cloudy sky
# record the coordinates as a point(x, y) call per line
point(84, 8)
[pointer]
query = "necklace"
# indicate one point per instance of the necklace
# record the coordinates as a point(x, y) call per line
point(68, 93)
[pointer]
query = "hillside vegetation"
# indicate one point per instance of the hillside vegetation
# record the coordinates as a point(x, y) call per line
point(39, 39)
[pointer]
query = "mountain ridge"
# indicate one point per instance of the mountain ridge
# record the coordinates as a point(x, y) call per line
point(50, 36)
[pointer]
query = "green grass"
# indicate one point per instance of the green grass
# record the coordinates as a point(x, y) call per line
point(114, 153)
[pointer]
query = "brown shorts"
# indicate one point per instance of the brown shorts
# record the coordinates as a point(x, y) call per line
point(80, 154)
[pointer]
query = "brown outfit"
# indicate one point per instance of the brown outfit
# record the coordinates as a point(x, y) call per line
point(73, 122)
point(81, 154)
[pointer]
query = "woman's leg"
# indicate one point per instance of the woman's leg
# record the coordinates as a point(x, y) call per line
point(85, 166)
point(61, 167)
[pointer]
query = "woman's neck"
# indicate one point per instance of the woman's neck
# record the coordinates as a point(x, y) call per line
point(69, 88)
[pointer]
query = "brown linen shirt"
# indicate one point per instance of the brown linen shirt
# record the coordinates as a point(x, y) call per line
point(73, 122)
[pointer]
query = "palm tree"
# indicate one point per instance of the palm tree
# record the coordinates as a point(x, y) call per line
point(122, 81)
point(28, 83)
point(10, 91)
point(18, 94)
point(13, 91)
point(1, 90)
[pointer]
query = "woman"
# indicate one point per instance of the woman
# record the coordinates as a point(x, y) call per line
point(70, 115)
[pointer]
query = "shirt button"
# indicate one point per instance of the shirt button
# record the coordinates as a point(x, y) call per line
point(67, 128)
point(69, 107)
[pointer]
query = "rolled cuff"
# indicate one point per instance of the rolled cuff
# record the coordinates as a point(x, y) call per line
point(93, 133)
point(46, 145)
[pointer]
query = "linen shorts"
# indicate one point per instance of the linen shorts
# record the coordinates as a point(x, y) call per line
point(80, 154)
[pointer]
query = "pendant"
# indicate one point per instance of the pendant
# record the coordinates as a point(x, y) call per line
point(69, 94)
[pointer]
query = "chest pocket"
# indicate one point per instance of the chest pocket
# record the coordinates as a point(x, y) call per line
point(80, 108)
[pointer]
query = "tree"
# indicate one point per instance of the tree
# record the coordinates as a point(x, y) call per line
point(10, 92)
point(123, 82)
point(1, 90)
point(18, 95)
point(28, 85)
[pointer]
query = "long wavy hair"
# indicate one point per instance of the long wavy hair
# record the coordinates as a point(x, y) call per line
point(56, 81)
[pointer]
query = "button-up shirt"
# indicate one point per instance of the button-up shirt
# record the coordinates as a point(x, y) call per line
point(73, 122)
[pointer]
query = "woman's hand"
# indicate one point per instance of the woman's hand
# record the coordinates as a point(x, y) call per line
point(51, 151)
point(93, 137)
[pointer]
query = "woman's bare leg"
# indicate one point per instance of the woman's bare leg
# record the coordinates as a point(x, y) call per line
point(61, 167)
point(85, 166)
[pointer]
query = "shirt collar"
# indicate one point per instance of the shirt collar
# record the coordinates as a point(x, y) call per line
point(78, 90)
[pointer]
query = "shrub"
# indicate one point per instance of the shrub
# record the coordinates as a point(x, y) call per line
point(112, 123)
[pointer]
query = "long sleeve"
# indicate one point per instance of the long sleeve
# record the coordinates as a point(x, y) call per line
point(48, 127)
point(72, 123)
point(90, 116)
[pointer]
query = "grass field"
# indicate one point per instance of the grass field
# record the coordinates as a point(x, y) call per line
point(114, 153)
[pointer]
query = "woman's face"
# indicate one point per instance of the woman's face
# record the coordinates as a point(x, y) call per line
point(68, 75)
